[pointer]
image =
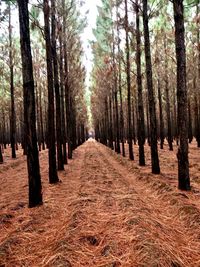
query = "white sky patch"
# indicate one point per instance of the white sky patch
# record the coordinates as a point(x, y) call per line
point(90, 7)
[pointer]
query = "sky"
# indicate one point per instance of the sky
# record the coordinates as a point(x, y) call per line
point(88, 9)
point(87, 35)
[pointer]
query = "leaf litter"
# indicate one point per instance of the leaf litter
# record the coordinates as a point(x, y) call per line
point(107, 212)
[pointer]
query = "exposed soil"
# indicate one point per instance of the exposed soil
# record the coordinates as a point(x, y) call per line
point(106, 212)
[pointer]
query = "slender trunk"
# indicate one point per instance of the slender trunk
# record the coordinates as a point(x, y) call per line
point(197, 89)
point(121, 113)
point(183, 162)
point(152, 108)
point(140, 117)
point(198, 45)
point(1, 155)
point(133, 120)
point(73, 136)
point(190, 134)
point(13, 115)
point(147, 118)
point(120, 95)
point(196, 106)
point(67, 87)
point(37, 116)
point(117, 141)
point(35, 188)
point(161, 116)
point(175, 115)
point(60, 164)
point(67, 103)
point(110, 124)
point(116, 112)
point(53, 177)
point(168, 110)
point(41, 118)
point(62, 98)
point(4, 129)
point(128, 78)
point(106, 120)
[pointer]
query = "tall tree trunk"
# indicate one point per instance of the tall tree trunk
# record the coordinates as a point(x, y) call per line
point(35, 188)
point(1, 155)
point(116, 106)
point(41, 118)
point(106, 120)
point(161, 116)
point(37, 115)
point(168, 110)
point(152, 108)
point(67, 103)
point(175, 115)
point(183, 162)
point(133, 119)
point(53, 177)
point(110, 123)
point(120, 90)
point(197, 90)
point(67, 86)
point(13, 115)
point(128, 77)
point(198, 43)
point(196, 105)
point(140, 119)
point(190, 134)
point(147, 120)
point(115, 102)
point(73, 123)
point(60, 164)
point(196, 113)
point(62, 98)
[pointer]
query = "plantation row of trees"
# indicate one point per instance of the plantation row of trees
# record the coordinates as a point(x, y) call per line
point(46, 61)
point(142, 88)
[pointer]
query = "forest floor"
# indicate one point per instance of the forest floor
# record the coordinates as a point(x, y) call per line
point(106, 212)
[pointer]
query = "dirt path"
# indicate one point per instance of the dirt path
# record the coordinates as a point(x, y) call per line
point(104, 213)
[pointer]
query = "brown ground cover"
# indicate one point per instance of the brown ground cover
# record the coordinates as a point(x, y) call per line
point(107, 212)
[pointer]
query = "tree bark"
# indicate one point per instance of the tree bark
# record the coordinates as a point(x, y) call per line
point(60, 164)
point(197, 90)
point(183, 162)
point(168, 110)
point(53, 177)
point(13, 115)
point(1, 155)
point(161, 116)
point(128, 78)
point(116, 102)
point(152, 108)
point(110, 123)
point(62, 97)
point(120, 90)
point(190, 132)
point(35, 188)
point(41, 119)
point(37, 115)
point(67, 86)
point(140, 119)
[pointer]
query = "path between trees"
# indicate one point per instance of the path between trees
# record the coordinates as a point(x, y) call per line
point(105, 212)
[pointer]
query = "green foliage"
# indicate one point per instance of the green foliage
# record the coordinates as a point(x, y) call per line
point(35, 12)
point(103, 32)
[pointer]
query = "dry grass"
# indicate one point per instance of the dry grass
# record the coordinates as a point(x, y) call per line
point(107, 212)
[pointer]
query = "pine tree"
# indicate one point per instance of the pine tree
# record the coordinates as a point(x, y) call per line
point(183, 162)
point(35, 188)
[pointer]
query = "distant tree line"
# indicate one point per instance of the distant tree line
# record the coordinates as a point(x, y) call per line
point(46, 61)
point(142, 88)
